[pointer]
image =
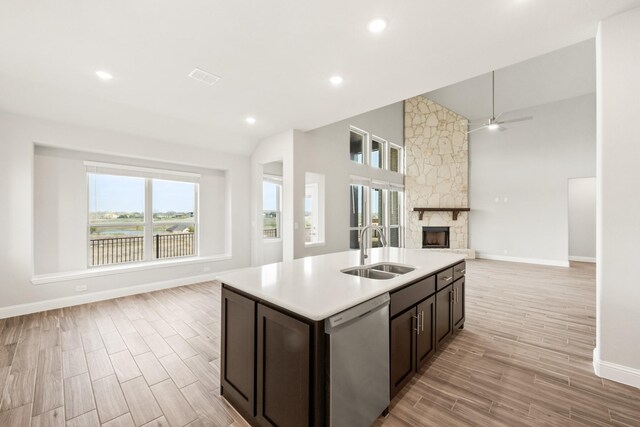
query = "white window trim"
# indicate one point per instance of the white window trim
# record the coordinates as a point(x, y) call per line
point(366, 137)
point(97, 168)
point(274, 179)
point(400, 157)
point(384, 149)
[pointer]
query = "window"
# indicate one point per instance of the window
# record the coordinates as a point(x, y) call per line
point(357, 216)
point(314, 209)
point(271, 207)
point(394, 236)
point(395, 158)
point(378, 216)
point(357, 142)
point(140, 218)
point(377, 153)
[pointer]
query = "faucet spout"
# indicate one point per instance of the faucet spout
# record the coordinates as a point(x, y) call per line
point(363, 246)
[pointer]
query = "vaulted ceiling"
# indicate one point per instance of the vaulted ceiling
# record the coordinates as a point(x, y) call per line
point(274, 58)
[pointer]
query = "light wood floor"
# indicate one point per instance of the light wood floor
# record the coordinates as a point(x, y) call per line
point(524, 358)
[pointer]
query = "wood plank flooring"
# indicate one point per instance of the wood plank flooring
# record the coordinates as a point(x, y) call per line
point(524, 358)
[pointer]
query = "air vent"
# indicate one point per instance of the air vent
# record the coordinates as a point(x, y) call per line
point(203, 76)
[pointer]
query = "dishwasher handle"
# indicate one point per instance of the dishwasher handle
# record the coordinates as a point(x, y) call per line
point(336, 321)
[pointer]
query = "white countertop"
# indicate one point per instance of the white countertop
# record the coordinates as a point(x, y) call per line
point(315, 288)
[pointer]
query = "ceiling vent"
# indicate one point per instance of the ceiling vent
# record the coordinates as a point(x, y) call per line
point(203, 76)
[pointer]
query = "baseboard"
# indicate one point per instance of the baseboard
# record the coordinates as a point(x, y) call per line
point(52, 304)
point(523, 260)
point(582, 259)
point(614, 372)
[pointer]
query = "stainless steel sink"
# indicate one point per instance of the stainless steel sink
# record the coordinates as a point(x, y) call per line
point(393, 268)
point(380, 271)
point(369, 273)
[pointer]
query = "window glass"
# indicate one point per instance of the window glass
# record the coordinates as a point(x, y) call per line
point(377, 154)
point(356, 147)
point(271, 209)
point(394, 159)
point(395, 199)
point(377, 215)
point(116, 199)
point(115, 244)
point(356, 208)
point(174, 205)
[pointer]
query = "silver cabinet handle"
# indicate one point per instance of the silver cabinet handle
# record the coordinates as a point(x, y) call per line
point(417, 328)
point(446, 279)
point(457, 294)
point(461, 271)
point(422, 322)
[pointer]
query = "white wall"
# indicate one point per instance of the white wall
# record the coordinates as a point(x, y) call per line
point(518, 180)
point(60, 207)
point(326, 151)
point(277, 148)
point(582, 219)
point(617, 354)
point(17, 137)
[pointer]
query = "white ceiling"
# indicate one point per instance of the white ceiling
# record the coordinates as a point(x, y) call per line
point(562, 74)
point(274, 57)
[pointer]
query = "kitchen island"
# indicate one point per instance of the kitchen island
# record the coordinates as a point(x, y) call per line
point(274, 345)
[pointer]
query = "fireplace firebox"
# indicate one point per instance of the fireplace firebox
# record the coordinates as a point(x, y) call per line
point(435, 237)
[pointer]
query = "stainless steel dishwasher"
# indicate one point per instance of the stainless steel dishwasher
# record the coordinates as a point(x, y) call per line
point(359, 363)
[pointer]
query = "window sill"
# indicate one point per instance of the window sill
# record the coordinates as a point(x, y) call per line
point(313, 245)
point(43, 279)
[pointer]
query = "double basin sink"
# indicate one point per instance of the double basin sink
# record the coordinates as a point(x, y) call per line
point(380, 271)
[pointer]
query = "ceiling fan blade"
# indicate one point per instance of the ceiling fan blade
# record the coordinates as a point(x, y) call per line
point(521, 119)
point(498, 116)
point(476, 129)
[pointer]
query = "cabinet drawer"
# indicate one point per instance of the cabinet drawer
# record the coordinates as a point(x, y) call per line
point(459, 270)
point(411, 295)
point(445, 278)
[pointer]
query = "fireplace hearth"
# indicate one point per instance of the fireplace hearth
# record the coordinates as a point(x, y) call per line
point(435, 237)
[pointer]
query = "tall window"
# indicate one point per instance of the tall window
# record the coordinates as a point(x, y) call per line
point(357, 143)
point(395, 158)
point(271, 207)
point(378, 216)
point(357, 215)
point(394, 236)
point(134, 218)
point(377, 153)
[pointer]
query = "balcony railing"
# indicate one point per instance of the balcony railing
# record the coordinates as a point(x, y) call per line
point(116, 250)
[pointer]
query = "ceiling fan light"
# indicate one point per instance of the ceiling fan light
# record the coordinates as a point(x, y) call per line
point(493, 126)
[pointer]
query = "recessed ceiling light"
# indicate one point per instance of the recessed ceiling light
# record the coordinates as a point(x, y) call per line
point(250, 120)
point(377, 25)
point(336, 80)
point(103, 75)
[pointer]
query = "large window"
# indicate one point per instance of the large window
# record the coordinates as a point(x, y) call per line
point(357, 143)
point(395, 158)
point(357, 214)
point(377, 153)
point(140, 218)
point(271, 207)
point(375, 203)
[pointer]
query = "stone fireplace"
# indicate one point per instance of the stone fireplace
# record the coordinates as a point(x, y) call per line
point(437, 176)
point(435, 237)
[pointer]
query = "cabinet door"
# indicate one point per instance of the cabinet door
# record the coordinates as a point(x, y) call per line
point(458, 303)
point(426, 340)
point(283, 380)
point(403, 349)
point(444, 326)
point(238, 349)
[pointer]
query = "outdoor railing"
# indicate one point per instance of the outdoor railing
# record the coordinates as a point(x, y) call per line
point(116, 250)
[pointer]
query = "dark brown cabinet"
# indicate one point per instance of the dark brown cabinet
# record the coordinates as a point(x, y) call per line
point(283, 375)
point(237, 359)
point(458, 303)
point(444, 325)
point(412, 342)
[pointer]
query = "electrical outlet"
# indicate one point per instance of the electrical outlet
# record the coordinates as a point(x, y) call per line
point(81, 288)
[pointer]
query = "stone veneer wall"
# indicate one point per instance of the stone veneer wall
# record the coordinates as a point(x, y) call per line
point(437, 169)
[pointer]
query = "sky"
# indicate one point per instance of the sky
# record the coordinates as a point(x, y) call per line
point(126, 194)
point(269, 196)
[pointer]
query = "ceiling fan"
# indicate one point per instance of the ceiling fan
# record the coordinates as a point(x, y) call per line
point(494, 122)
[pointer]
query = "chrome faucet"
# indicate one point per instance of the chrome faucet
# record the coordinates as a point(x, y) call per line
point(363, 250)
